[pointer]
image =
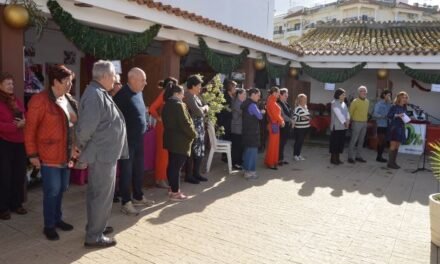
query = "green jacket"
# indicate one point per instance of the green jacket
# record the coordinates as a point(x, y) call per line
point(179, 130)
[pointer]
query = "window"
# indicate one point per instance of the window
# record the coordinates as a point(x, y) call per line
point(297, 26)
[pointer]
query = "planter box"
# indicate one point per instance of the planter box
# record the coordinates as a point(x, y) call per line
point(434, 215)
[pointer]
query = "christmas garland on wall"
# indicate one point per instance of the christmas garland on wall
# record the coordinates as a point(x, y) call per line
point(332, 75)
point(100, 44)
point(420, 75)
point(222, 63)
point(275, 71)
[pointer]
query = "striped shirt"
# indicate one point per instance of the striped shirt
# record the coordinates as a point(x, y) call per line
point(302, 117)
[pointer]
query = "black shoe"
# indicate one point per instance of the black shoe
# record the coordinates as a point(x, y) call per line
point(285, 162)
point(380, 159)
point(351, 161)
point(273, 168)
point(64, 226)
point(192, 180)
point(201, 178)
point(108, 230)
point(5, 215)
point(116, 199)
point(51, 234)
point(103, 243)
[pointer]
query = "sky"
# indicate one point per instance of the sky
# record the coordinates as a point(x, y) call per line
point(281, 6)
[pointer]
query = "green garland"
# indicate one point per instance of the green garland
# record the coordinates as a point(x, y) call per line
point(275, 71)
point(332, 75)
point(222, 63)
point(420, 75)
point(100, 44)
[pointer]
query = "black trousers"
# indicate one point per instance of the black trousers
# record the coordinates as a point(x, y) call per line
point(12, 175)
point(237, 149)
point(284, 136)
point(337, 140)
point(175, 164)
point(381, 136)
point(299, 135)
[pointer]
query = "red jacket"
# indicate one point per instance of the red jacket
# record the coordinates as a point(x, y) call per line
point(47, 129)
point(8, 130)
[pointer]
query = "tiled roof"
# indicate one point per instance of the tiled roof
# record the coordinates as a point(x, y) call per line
point(208, 22)
point(358, 38)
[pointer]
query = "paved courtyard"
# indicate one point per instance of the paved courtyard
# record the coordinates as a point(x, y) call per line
point(306, 212)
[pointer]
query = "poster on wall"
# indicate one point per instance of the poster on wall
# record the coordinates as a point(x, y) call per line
point(435, 88)
point(118, 67)
point(69, 57)
point(329, 86)
point(415, 139)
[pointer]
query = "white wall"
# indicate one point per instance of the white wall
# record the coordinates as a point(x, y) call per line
point(50, 49)
point(252, 16)
point(429, 101)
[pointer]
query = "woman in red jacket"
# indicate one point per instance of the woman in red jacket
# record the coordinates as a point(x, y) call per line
point(160, 170)
point(48, 140)
point(12, 154)
point(275, 120)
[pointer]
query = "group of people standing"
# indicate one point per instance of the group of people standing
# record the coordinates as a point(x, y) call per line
point(242, 119)
point(389, 119)
point(107, 126)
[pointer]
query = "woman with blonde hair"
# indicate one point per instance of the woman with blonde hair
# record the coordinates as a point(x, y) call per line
point(396, 132)
point(301, 125)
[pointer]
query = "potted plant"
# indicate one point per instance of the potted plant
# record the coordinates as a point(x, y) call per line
point(434, 199)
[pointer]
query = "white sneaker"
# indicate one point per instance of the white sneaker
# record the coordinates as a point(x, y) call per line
point(129, 209)
point(178, 197)
point(143, 202)
point(296, 158)
point(301, 157)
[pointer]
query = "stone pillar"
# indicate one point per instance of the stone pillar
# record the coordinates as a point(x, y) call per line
point(249, 70)
point(11, 54)
point(171, 60)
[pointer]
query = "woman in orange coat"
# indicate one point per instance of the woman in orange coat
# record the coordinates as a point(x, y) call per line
point(160, 172)
point(275, 120)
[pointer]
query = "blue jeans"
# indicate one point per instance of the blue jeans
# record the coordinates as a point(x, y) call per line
point(250, 159)
point(131, 175)
point(55, 183)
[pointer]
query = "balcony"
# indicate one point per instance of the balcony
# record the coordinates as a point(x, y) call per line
point(278, 32)
point(296, 32)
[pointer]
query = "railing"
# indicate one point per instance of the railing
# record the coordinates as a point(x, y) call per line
point(278, 32)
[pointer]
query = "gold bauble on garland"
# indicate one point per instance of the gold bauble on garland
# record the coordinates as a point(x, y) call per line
point(293, 72)
point(259, 64)
point(16, 16)
point(382, 73)
point(181, 48)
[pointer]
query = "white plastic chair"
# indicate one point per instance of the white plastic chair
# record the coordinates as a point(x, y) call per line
point(218, 146)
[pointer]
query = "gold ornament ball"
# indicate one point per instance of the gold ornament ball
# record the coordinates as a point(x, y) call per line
point(16, 16)
point(293, 72)
point(259, 64)
point(382, 73)
point(181, 48)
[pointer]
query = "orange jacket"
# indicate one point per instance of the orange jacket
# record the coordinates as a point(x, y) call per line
point(273, 111)
point(46, 133)
point(156, 107)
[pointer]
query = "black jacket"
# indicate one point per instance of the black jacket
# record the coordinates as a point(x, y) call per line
point(251, 127)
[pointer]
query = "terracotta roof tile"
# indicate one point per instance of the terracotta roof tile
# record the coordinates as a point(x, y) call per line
point(400, 38)
point(206, 21)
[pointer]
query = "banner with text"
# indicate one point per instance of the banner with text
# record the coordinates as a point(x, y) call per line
point(415, 139)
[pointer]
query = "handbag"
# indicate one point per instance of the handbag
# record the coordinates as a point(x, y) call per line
point(275, 128)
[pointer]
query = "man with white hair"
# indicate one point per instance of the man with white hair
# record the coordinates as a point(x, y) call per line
point(130, 100)
point(101, 138)
point(359, 117)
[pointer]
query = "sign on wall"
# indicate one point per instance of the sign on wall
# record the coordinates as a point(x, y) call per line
point(415, 139)
point(329, 86)
point(435, 88)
